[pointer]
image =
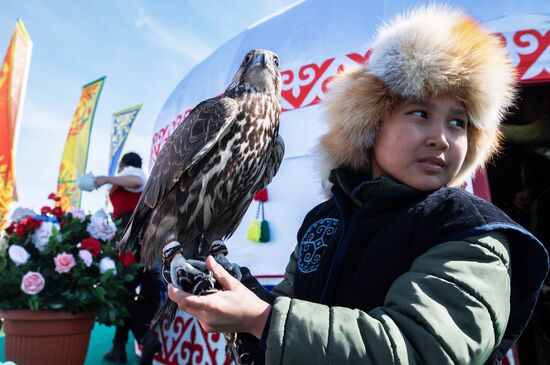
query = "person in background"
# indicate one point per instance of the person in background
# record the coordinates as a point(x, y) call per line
point(533, 208)
point(124, 195)
point(400, 265)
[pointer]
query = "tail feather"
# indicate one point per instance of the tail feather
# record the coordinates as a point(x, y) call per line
point(131, 237)
point(167, 311)
point(124, 241)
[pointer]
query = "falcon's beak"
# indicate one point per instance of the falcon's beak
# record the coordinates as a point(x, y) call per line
point(260, 60)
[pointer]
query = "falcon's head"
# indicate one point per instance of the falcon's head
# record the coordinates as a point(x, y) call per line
point(259, 72)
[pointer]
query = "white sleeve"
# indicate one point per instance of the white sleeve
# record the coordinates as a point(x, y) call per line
point(134, 171)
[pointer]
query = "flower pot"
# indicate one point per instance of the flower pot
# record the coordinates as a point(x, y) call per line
point(47, 337)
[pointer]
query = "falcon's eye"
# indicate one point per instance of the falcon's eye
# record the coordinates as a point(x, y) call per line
point(247, 58)
point(276, 61)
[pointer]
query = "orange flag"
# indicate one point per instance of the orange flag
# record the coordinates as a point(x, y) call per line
point(13, 82)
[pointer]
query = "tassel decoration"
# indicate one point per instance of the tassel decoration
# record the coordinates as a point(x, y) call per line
point(261, 196)
point(254, 232)
point(259, 229)
point(264, 231)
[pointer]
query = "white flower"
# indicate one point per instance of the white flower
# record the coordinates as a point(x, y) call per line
point(42, 235)
point(21, 213)
point(18, 254)
point(86, 257)
point(107, 263)
point(101, 226)
point(77, 213)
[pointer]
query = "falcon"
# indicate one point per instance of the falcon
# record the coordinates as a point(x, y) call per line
point(207, 173)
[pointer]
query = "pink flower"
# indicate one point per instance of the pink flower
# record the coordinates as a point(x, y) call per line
point(32, 283)
point(64, 262)
point(77, 213)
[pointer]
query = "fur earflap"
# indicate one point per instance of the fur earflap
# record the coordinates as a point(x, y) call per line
point(429, 52)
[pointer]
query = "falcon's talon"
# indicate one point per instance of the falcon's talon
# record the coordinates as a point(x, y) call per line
point(233, 269)
point(205, 286)
point(168, 252)
point(218, 247)
point(199, 265)
point(192, 275)
point(236, 272)
point(170, 249)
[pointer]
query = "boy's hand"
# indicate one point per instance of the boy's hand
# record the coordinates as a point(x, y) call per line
point(234, 309)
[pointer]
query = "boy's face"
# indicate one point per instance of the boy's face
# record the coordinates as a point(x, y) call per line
point(422, 143)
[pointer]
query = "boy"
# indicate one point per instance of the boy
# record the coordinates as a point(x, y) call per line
point(396, 266)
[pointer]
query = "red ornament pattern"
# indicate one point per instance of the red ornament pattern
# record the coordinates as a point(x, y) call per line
point(308, 85)
point(531, 44)
point(185, 342)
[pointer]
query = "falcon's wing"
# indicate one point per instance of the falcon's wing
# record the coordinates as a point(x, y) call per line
point(275, 159)
point(194, 137)
point(233, 217)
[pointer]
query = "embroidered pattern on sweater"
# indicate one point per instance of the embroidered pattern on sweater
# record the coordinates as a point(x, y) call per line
point(314, 243)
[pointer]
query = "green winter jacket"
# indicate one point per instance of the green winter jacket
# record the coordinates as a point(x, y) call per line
point(452, 307)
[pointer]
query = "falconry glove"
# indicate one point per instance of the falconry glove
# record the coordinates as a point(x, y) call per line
point(192, 276)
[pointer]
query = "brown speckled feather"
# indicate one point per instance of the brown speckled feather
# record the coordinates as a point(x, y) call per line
point(207, 173)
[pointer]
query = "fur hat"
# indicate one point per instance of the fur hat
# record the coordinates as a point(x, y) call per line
point(431, 51)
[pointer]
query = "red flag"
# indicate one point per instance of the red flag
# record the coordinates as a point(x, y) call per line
point(13, 81)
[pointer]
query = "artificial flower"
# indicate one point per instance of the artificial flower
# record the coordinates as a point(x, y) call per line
point(11, 228)
point(42, 235)
point(54, 197)
point(107, 263)
point(32, 283)
point(64, 262)
point(57, 212)
point(21, 213)
point(18, 255)
point(86, 257)
point(92, 245)
point(77, 267)
point(77, 213)
point(27, 225)
point(127, 259)
point(101, 226)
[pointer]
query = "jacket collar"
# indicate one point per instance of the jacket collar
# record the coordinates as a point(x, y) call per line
point(361, 187)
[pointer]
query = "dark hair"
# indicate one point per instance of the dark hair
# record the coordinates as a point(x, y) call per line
point(131, 159)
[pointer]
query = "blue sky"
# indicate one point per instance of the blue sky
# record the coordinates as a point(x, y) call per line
point(144, 48)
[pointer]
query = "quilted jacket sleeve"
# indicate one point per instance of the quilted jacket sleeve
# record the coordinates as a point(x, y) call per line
point(452, 307)
point(286, 287)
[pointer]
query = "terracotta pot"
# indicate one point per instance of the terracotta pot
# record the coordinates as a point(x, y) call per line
point(47, 337)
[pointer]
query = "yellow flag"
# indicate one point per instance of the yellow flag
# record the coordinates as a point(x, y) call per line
point(75, 154)
point(13, 82)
